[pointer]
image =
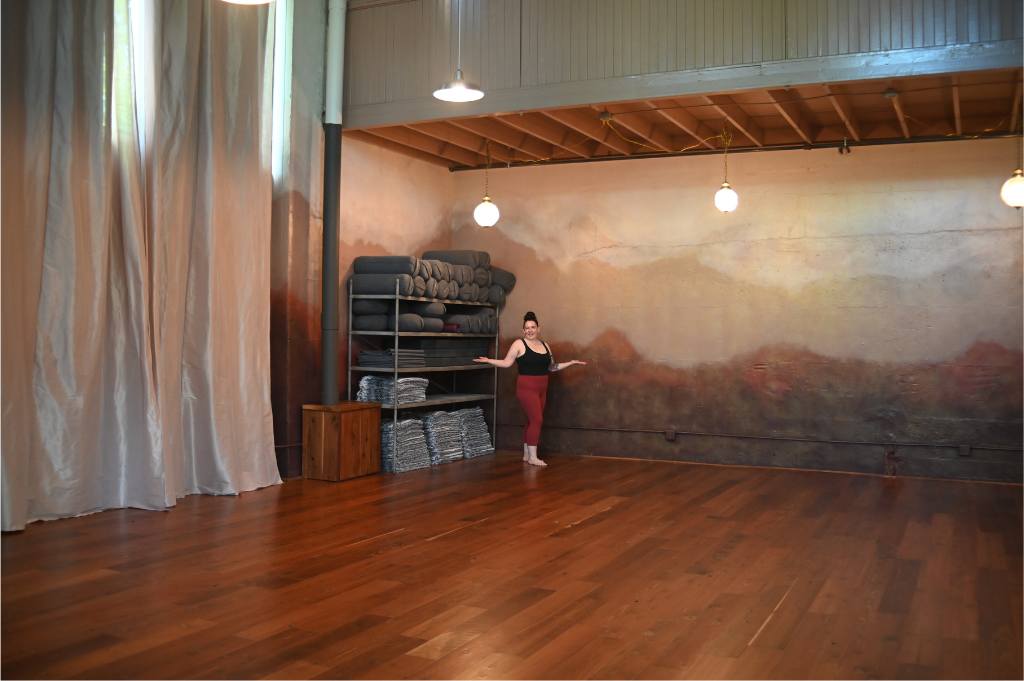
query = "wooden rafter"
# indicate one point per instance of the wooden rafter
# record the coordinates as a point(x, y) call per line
point(726, 106)
point(425, 143)
point(462, 138)
point(789, 108)
point(365, 136)
point(841, 104)
point(649, 134)
point(586, 123)
point(686, 122)
point(551, 132)
point(954, 89)
point(515, 139)
point(894, 97)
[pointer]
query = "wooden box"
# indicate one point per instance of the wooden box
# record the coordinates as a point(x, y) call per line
point(340, 441)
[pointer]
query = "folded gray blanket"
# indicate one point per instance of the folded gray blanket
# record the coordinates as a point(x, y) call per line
point(442, 289)
point(497, 295)
point(484, 295)
point(419, 286)
point(469, 292)
point(503, 278)
point(385, 284)
point(471, 258)
point(463, 320)
point(407, 321)
point(426, 309)
point(370, 307)
point(370, 322)
point(439, 269)
point(386, 264)
point(431, 290)
point(433, 324)
point(453, 290)
point(482, 276)
point(423, 270)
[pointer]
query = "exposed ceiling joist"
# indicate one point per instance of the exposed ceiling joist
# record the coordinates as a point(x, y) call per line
point(789, 108)
point(515, 139)
point(954, 88)
point(685, 121)
point(897, 105)
point(544, 128)
point(639, 125)
point(587, 123)
point(843, 109)
point(469, 141)
point(427, 144)
point(726, 106)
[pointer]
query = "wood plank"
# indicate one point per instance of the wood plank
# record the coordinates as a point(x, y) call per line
point(726, 106)
point(637, 124)
point(842, 105)
point(364, 136)
point(585, 122)
point(492, 129)
point(551, 132)
point(954, 90)
point(897, 106)
point(685, 121)
point(789, 107)
point(460, 137)
point(419, 141)
point(620, 569)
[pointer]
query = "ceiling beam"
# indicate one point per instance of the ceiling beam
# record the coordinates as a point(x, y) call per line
point(643, 128)
point(462, 138)
point(425, 143)
point(726, 106)
point(843, 109)
point(1015, 108)
point(685, 121)
point(954, 89)
point(585, 123)
point(789, 108)
point(546, 129)
point(493, 130)
point(365, 136)
point(894, 97)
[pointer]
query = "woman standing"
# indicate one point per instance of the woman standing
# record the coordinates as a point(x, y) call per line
point(535, 361)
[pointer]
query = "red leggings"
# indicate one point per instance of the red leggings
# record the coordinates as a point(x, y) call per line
point(532, 392)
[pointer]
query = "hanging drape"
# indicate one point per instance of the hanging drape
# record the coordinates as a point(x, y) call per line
point(136, 264)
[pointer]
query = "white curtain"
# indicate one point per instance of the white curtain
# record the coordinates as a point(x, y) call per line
point(135, 254)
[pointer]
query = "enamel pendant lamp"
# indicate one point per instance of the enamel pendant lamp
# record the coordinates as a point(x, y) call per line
point(726, 198)
point(459, 90)
point(486, 213)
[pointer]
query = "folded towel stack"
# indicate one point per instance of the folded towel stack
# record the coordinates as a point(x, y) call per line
point(406, 449)
point(382, 389)
point(444, 436)
point(476, 438)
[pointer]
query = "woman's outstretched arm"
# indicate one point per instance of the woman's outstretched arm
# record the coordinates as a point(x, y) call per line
point(558, 366)
point(514, 351)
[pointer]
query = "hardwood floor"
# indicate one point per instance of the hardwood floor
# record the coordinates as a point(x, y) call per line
point(592, 568)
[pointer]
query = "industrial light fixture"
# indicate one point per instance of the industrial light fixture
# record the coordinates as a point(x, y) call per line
point(726, 198)
point(459, 90)
point(486, 213)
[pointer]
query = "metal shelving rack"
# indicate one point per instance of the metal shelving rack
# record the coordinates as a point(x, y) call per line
point(396, 371)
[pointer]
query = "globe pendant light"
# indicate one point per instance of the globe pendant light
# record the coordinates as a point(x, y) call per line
point(1012, 192)
point(726, 198)
point(486, 213)
point(459, 90)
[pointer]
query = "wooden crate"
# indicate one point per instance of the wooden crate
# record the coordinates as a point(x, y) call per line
point(340, 441)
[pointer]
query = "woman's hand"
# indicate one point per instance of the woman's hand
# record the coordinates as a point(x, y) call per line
point(576, 361)
point(482, 360)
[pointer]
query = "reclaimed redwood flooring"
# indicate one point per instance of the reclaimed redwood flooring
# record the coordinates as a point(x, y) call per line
point(592, 568)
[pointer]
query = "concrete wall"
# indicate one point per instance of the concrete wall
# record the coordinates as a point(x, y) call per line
point(851, 300)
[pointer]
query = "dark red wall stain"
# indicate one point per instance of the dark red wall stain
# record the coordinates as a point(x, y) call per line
point(779, 391)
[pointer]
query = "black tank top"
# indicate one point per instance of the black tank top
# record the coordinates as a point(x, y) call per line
point(533, 363)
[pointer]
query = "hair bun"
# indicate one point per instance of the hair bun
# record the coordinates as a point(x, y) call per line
point(530, 317)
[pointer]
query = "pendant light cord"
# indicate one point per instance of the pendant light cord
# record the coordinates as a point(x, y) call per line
point(458, 60)
point(726, 138)
point(487, 168)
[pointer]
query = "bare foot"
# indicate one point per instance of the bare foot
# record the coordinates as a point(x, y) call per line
point(535, 462)
point(526, 456)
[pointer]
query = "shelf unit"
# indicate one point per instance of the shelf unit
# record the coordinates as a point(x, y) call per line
point(396, 371)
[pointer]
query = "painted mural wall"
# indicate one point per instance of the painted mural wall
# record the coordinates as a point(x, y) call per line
point(390, 205)
point(857, 312)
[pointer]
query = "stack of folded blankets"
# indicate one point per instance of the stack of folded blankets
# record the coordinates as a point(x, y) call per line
point(383, 389)
point(405, 451)
point(476, 438)
point(458, 276)
point(444, 436)
point(407, 357)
